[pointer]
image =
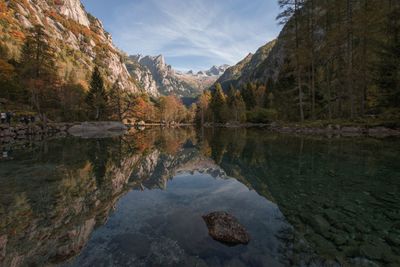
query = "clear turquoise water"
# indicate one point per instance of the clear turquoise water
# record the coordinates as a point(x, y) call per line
point(137, 200)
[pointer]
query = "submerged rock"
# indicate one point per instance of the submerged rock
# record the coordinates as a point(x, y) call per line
point(225, 228)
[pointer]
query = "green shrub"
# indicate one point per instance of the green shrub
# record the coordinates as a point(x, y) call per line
point(261, 115)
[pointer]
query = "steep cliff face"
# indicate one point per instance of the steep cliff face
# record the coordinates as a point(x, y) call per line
point(155, 74)
point(143, 76)
point(73, 9)
point(258, 67)
point(234, 73)
point(162, 74)
point(78, 38)
point(271, 65)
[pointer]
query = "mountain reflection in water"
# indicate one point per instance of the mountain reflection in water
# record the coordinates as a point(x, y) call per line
point(137, 200)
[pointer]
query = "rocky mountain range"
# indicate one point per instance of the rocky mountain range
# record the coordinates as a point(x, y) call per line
point(159, 78)
point(213, 71)
point(81, 42)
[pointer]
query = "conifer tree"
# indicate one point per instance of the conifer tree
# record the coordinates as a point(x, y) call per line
point(203, 106)
point(96, 98)
point(120, 103)
point(240, 108)
point(230, 100)
point(389, 66)
point(236, 105)
point(37, 67)
point(249, 95)
point(218, 105)
point(292, 10)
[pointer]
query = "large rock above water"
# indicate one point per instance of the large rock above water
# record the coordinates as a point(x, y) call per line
point(225, 228)
point(98, 129)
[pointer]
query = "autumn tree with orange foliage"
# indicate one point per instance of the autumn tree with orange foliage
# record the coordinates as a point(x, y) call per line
point(203, 106)
point(143, 109)
point(172, 109)
point(9, 85)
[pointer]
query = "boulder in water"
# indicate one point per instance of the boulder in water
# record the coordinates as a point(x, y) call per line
point(225, 228)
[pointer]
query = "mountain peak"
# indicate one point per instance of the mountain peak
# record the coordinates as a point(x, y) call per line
point(167, 80)
point(245, 70)
point(74, 10)
point(217, 70)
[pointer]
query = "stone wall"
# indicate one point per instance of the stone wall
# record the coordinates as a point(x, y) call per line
point(9, 133)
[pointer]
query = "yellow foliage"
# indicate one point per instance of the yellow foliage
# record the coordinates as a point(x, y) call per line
point(7, 71)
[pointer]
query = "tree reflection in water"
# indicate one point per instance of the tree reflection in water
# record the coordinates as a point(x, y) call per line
point(339, 198)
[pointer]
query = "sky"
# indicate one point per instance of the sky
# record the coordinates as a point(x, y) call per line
point(191, 34)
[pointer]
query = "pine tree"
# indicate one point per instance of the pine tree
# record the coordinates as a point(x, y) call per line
point(96, 98)
point(269, 96)
point(236, 105)
point(249, 95)
point(389, 66)
point(292, 11)
point(239, 108)
point(37, 67)
point(218, 105)
point(120, 103)
point(37, 56)
point(203, 106)
point(230, 100)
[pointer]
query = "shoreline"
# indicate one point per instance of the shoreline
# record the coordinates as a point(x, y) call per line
point(330, 130)
point(15, 132)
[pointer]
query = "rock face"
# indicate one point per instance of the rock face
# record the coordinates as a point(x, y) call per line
point(143, 75)
point(157, 77)
point(78, 38)
point(251, 68)
point(216, 70)
point(225, 228)
point(233, 73)
point(73, 9)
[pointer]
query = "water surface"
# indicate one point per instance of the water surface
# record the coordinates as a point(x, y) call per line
point(137, 200)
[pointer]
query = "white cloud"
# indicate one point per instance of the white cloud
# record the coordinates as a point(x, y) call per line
point(205, 30)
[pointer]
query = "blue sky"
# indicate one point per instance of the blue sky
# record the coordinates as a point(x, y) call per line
point(191, 34)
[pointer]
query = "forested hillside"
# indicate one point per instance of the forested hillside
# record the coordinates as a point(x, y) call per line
point(334, 59)
point(48, 50)
point(246, 70)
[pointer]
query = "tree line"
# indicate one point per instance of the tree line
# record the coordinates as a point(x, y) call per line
point(252, 103)
point(32, 83)
point(122, 105)
point(342, 59)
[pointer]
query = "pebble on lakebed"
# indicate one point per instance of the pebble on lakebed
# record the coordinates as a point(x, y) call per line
point(225, 228)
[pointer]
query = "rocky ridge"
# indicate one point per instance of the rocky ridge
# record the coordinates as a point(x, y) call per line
point(157, 77)
point(253, 68)
point(79, 39)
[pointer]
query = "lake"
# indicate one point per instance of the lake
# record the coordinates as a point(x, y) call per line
point(138, 199)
